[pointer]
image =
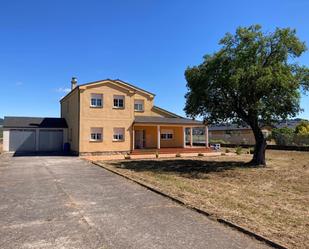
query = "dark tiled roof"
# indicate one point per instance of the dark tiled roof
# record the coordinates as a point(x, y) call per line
point(223, 127)
point(163, 120)
point(34, 122)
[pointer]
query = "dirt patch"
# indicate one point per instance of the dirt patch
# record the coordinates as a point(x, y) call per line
point(271, 201)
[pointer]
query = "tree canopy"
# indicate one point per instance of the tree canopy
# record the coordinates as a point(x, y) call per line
point(254, 77)
point(302, 128)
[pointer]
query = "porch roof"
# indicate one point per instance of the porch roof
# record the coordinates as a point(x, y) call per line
point(163, 120)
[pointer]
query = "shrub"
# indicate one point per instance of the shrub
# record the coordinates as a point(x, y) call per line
point(302, 128)
point(127, 156)
point(227, 150)
point(286, 136)
point(251, 150)
point(283, 136)
point(157, 154)
point(178, 155)
point(218, 141)
point(200, 154)
point(223, 154)
point(238, 150)
point(301, 140)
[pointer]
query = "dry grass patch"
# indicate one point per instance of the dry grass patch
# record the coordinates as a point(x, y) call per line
point(271, 201)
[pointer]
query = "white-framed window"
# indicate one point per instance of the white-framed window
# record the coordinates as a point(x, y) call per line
point(118, 101)
point(96, 134)
point(96, 100)
point(167, 134)
point(139, 105)
point(118, 134)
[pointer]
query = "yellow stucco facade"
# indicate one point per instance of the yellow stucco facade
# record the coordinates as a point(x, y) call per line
point(83, 119)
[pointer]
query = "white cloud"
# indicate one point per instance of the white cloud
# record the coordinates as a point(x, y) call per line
point(63, 90)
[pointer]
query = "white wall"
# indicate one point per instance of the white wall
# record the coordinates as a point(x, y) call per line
point(6, 138)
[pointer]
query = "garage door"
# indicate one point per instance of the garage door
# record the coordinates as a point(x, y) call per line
point(50, 140)
point(22, 140)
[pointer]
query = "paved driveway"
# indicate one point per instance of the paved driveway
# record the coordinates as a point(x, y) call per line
point(64, 202)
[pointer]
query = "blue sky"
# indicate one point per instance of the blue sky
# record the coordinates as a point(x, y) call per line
point(148, 43)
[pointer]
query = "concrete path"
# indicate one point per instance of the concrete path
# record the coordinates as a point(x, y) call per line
point(64, 202)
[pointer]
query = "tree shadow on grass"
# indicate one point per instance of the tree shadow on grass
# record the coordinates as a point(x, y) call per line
point(188, 168)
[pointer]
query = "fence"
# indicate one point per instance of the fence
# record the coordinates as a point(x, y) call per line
point(270, 147)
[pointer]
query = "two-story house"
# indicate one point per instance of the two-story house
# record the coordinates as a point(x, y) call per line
point(109, 116)
point(102, 117)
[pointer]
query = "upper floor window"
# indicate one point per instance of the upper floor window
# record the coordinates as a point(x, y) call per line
point(118, 101)
point(96, 134)
point(118, 134)
point(139, 105)
point(167, 134)
point(96, 100)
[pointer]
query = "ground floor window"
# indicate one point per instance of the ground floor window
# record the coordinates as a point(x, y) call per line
point(118, 134)
point(167, 134)
point(96, 134)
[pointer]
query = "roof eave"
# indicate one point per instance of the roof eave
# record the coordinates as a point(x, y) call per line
point(128, 85)
point(166, 111)
point(68, 94)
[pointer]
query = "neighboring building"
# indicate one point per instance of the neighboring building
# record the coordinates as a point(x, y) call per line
point(1, 131)
point(106, 116)
point(29, 134)
point(242, 134)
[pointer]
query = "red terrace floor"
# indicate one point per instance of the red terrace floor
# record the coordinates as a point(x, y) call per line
point(171, 150)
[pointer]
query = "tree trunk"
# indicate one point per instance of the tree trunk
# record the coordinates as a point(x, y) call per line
point(260, 147)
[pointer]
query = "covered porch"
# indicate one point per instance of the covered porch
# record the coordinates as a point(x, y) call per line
point(166, 135)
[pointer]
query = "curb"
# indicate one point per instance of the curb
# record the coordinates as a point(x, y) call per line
point(209, 215)
point(252, 234)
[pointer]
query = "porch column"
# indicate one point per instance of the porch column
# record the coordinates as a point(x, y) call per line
point(159, 137)
point(191, 136)
point(133, 138)
point(184, 136)
point(206, 136)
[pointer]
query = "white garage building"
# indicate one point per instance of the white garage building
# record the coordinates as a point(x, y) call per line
point(32, 134)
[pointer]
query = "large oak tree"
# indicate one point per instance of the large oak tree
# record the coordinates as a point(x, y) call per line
point(253, 78)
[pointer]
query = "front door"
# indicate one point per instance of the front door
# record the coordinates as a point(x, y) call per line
point(139, 139)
